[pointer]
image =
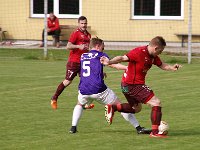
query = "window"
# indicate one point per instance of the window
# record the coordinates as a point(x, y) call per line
point(61, 8)
point(157, 9)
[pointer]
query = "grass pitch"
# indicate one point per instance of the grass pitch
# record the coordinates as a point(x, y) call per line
point(28, 122)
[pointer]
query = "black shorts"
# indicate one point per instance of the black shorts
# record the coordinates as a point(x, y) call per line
point(136, 93)
point(72, 69)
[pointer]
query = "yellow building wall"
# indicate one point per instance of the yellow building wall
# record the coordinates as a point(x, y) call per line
point(109, 20)
point(112, 21)
point(15, 19)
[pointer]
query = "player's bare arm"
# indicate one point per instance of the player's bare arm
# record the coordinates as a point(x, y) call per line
point(168, 67)
point(71, 46)
point(118, 66)
point(119, 59)
point(115, 60)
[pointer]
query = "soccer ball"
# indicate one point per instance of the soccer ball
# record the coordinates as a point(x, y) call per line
point(163, 128)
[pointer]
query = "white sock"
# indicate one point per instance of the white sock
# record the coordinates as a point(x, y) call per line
point(131, 118)
point(77, 113)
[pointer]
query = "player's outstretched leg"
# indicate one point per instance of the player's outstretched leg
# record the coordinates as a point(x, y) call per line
point(54, 98)
point(143, 130)
point(109, 113)
point(77, 113)
point(132, 119)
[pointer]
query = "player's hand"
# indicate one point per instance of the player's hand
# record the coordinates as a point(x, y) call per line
point(104, 60)
point(84, 47)
point(176, 67)
point(81, 46)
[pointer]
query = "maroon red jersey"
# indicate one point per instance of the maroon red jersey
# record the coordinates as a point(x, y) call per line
point(53, 24)
point(78, 37)
point(139, 63)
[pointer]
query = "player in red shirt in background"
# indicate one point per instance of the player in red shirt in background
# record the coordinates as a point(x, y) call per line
point(53, 28)
point(78, 44)
point(133, 85)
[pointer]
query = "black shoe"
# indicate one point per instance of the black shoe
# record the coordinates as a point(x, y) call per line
point(73, 130)
point(143, 130)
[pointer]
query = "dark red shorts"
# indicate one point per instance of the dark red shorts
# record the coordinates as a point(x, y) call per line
point(136, 93)
point(72, 69)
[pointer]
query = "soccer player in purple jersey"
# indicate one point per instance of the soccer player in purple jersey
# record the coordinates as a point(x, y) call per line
point(140, 60)
point(92, 86)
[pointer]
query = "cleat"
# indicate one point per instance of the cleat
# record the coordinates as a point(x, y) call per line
point(142, 130)
point(158, 135)
point(54, 104)
point(86, 106)
point(73, 130)
point(109, 113)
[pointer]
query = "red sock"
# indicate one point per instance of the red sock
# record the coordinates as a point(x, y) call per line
point(125, 107)
point(59, 90)
point(156, 115)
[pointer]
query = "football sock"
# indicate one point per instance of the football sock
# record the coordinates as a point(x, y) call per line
point(125, 107)
point(59, 90)
point(78, 109)
point(131, 118)
point(156, 115)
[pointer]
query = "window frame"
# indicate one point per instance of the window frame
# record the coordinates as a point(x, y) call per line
point(157, 13)
point(56, 11)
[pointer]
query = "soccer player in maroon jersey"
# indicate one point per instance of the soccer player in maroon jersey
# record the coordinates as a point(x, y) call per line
point(78, 44)
point(133, 81)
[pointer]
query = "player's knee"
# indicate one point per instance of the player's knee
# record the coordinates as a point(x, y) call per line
point(138, 109)
point(154, 101)
point(157, 102)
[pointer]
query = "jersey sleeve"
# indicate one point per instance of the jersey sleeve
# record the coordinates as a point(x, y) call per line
point(132, 55)
point(157, 61)
point(104, 54)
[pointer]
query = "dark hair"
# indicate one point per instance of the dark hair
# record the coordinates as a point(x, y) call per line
point(95, 41)
point(82, 18)
point(158, 40)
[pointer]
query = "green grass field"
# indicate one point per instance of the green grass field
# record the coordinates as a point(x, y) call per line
point(29, 123)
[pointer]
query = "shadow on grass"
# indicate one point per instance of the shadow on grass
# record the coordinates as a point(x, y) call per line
point(188, 132)
point(118, 131)
point(49, 58)
point(175, 60)
point(174, 133)
point(31, 57)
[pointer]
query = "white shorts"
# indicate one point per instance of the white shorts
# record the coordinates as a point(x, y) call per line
point(105, 97)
